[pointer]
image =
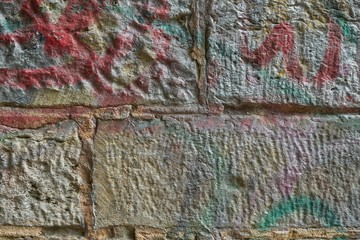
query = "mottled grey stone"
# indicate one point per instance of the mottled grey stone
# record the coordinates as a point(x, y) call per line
point(39, 183)
point(238, 172)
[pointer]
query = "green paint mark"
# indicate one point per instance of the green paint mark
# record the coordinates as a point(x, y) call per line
point(208, 218)
point(314, 207)
point(340, 18)
point(128, 12)
point(223, 48)
point(169, 28)
point(8, 27)
point(125, 11)
point(288, 88)
point(174, 30)
point(218, 158)
point(347, 31)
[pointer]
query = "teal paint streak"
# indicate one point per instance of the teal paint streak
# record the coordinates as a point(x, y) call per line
point(314, 207)
point(125, 11)
point(5, 26)
point(129, 13)
point(340, 18)
point(287, 88)
point(347, 31)
point(174, 30)
point(209, 216)
point(8, 27)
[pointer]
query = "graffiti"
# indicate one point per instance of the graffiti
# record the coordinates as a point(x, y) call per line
point(304, 56)
point(225, 181)
point(282, 39)
point(288, 88)
point(162, 23)
point(62, 40)
point(314, 207)
point(295, 204)
point(211, 215)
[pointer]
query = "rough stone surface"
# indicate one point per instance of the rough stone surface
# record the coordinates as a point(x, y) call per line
point(97, 53)
point(244, 172)
point(39, 184)
point(285, 52)
point(179, 119)
point(149, 234)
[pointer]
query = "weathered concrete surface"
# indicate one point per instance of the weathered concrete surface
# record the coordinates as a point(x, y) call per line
point(96, 53)
point(39, 183)
point(242, 172)
point(285, 52)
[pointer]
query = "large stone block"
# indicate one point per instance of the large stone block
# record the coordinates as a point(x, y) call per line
point(243, 172)
point(293, 52)
point(39, 184)
point(96, 53)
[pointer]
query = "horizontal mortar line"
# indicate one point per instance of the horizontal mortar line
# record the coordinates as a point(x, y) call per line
point(288, 109)
point(290, 233)
point(226, 109)
point(293, 233)
point(20, 231)
point(36, 231)
point(58, 107)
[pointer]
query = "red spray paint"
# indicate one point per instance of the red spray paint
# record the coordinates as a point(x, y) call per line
point(63, 39)
point(282, 39)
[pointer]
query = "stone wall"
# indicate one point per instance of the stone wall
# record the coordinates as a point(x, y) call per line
point(179, 119)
